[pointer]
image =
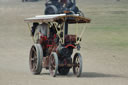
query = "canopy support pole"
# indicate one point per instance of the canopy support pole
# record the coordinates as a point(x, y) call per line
point(30, 31)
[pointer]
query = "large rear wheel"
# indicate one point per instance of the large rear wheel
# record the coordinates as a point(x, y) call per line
point(77, 67)
point(53, 64)
point(35, 59)
point(51, 9)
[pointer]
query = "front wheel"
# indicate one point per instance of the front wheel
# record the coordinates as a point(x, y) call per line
point(53, 64)
point(51, 9)
point(77, 64)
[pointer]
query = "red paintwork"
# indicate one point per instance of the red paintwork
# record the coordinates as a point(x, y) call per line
point(70, 45)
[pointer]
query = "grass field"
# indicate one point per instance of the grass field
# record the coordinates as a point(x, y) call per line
point(108, 27)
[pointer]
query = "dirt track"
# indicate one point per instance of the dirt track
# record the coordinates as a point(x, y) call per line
point(101, 66)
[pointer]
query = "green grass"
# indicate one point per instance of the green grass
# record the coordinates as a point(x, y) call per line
point(109, 36)
point(109, 26)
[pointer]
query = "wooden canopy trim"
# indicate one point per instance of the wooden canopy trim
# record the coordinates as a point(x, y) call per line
point(59, 17)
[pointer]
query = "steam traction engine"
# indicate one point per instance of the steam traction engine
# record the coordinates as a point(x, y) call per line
point(62, 6)
point(53, 46)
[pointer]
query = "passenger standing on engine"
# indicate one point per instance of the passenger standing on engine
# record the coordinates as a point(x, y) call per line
point(67, 4)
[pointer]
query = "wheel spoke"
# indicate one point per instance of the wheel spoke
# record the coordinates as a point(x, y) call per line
point(34, 65)
point(35, 55)
point(78, 64)
point(33, 49)
point(32, 59)
point(77, 59)
point(77, 69)
point(35, 59)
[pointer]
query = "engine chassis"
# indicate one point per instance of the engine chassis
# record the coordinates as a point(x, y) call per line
point(53, 51)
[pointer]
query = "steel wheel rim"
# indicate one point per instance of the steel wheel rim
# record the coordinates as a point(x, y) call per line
point(33, 59)
point(52, 65)
point(77, 68)
point(77, 63)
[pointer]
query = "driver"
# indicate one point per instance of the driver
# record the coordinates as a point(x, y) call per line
point(68, 3)
point(41, 29)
